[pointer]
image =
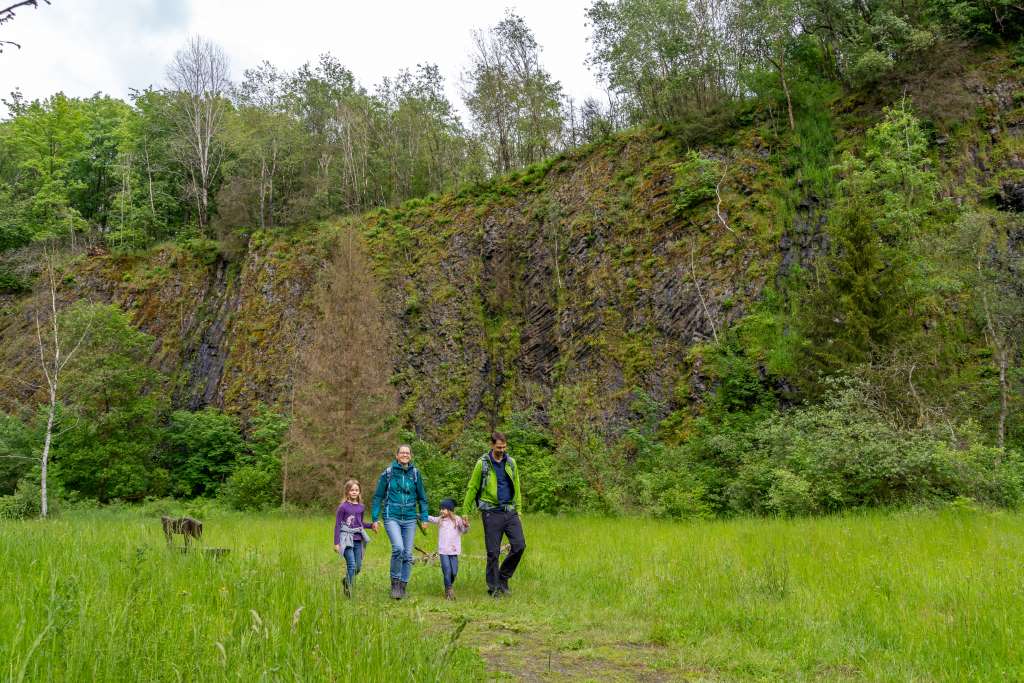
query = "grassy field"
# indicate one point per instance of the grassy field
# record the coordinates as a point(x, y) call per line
point(923, 596)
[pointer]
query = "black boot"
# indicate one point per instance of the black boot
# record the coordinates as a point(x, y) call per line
point(401, 588)
point(347, 586)
point(396, 589)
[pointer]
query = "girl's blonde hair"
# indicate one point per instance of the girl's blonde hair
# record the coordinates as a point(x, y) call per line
point(348, 486)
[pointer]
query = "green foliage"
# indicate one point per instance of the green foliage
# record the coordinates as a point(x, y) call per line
point(645, 50)
point(665, 485)
point(871, 279)
point(110, 423)
point(695, 181)
point(513, 100)
point(202, 449)
point(255, 482)
point(843, 453)
point(25, 502)
point(18, 446)
point(251, 487)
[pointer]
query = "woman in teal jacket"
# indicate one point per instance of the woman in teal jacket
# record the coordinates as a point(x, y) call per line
point(401, 501)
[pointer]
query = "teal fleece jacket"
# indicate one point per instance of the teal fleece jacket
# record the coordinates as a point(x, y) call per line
point(400, 498)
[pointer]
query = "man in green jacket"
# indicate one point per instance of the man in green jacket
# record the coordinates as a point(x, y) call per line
point(494, 490)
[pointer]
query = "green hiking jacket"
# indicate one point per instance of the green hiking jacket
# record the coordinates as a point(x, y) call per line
point(399, 493)
point(489, 492)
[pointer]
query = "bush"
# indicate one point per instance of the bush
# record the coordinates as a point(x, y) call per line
point(664, 494)
point(843, 454)
point(12, 283)
point(26, 502)
point(871, 66)
point(789, 494)
point(157, 507)
point(695, 181)
point(251, 488)
point(205, 445)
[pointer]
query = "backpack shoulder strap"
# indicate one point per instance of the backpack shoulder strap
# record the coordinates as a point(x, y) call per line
point(485, 470)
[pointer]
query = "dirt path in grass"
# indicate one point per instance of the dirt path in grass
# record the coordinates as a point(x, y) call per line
point(538, 653)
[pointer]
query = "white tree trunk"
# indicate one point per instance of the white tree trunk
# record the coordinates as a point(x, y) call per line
point(44, 507)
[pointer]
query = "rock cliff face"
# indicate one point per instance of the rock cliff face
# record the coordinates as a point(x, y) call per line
point(583, 271)
point(602, 270)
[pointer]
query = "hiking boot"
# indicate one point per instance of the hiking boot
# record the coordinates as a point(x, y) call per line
point(449, 593)
point(346, 586)
point(401, 589)
point(396, 589)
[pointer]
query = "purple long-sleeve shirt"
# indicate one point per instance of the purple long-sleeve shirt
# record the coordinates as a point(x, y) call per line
point(349, 514)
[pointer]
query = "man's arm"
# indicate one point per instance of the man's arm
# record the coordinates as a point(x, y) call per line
point(471, 490)
point(518, 496)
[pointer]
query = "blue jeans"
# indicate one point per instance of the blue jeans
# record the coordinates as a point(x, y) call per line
point(449, 569)
point(402, 534)
point(353, 560)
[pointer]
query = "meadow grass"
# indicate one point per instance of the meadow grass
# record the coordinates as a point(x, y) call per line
point(905, 596)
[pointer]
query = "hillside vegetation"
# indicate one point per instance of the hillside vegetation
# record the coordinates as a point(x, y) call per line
point(728, 310)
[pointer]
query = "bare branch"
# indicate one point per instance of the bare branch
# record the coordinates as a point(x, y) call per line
point(7, 13)
point(42, 356)
point(85, 333)
point(718, 207)
point(703, 303)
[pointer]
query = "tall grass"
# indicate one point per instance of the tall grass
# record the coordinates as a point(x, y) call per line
point(916, 596)
point(98, 597)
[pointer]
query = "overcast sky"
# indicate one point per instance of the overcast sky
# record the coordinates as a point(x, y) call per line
point(82, 47)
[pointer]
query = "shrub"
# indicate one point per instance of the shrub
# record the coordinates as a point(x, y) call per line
point(789, 494)
point(205, 445)
point(26, 501)
point(871, 66)
point(695, 181)
point(251, 488)
point(665, 494)
point(12, 283)
point(842, 453)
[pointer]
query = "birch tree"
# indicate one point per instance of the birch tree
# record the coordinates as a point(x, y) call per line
point(200, 75)
point(52, 359)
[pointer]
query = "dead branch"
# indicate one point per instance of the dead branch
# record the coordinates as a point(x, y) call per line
point(703, 303)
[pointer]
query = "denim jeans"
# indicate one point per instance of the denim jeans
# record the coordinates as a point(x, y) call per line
point(449, 569)
point(353, 560)
point(402, 534)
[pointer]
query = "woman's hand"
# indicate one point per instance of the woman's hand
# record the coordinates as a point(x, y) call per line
point(375, 526)
point(337, 548)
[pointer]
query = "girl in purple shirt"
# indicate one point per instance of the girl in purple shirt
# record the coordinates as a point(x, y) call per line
point(350, 536)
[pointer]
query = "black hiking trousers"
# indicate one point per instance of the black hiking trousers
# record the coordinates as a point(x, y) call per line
point(498, 523)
